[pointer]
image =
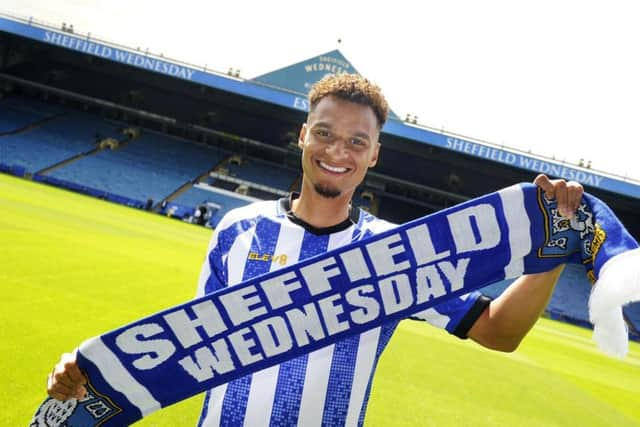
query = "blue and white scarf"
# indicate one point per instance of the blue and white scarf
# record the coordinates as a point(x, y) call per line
point(172, 355)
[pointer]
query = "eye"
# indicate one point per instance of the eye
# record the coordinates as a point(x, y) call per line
point(323, 133)
point(358, 142)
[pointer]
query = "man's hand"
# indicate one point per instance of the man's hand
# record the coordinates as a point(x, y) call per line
point(66, 381)
point(566, 193)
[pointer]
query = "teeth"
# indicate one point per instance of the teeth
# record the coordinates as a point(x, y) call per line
point(332, 168)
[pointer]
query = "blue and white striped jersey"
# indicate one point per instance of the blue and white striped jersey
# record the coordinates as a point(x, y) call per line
point(330, 386)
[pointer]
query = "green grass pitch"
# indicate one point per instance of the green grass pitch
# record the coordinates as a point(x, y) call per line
point(72, 267)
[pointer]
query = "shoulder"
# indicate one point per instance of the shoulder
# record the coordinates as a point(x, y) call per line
point(372, 224)
point(241, 219)
point(251, 212)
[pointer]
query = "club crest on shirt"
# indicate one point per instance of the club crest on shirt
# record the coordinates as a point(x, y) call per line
point(560, 237)
point(93, 410)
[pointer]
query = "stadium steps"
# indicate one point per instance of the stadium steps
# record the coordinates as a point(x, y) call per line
point(67, 161)
point(184, 187)
point(31, 125)
point(187, 185)
point(101, 147)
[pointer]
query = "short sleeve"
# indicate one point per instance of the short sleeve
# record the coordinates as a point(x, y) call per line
point(456, 315)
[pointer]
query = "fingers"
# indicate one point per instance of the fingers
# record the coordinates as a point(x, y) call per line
point(73, 372)
point(61, 391)
point(66, 381)
point(568, 194)
point(575, 192)
point(572, 196)
point(562, 199)
point(545, 183)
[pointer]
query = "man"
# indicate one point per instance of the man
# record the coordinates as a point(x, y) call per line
point(331, 386)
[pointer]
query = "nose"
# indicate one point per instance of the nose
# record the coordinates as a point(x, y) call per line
point(337, 149)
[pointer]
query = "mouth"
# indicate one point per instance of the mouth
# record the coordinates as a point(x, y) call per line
point(332, 169)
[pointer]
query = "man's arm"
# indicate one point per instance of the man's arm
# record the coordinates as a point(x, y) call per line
point(506, 321)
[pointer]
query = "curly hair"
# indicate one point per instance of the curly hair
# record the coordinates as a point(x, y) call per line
point(354, 88)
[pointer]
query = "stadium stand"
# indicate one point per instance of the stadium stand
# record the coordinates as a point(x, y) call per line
point(260, 188)
point(18, 112)
point(259, 171)
point(43, 144)
point(570, 298)
point(14, 118)
point(151, 167)
point(364, 200)
point(217, 200)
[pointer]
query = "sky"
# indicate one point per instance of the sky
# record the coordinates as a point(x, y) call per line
point(559, 78)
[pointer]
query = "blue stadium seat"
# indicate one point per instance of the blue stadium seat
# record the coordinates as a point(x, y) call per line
point(150, 167)
point(12, 119)
point(37, 107)
point(18, 112)
point(262, 172)
point(54, 141)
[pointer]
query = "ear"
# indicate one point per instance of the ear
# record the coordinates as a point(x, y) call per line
point(374, 157)
point(302, 136)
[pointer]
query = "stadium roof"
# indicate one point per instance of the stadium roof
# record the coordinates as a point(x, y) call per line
point(263, 89)
point(300, 76)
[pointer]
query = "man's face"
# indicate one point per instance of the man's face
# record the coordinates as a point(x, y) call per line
point(339, 143)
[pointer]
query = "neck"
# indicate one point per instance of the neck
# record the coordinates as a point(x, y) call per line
point(320, 211)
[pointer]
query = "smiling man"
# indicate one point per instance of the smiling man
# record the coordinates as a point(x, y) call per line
point(339, 144)
point(331, 386)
